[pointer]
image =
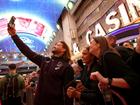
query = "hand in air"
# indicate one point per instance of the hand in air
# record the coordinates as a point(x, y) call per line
point(11, 30)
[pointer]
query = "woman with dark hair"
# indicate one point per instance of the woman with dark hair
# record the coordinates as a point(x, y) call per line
point(55, 72)
point(113, 72)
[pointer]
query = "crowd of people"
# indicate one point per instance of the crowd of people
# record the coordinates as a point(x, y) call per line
point(111, 80)
point(106, 74)
point(18, 89)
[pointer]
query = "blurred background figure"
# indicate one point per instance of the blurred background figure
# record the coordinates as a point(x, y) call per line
point(124, 52)
point(11, 87)
point(133, 62)
point(128, 44)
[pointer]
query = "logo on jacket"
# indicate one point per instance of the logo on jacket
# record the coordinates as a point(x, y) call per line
point(59, 65)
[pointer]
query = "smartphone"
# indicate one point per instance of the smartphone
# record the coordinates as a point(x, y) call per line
point(12, 21)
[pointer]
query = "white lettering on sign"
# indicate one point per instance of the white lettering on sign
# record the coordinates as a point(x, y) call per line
point(132, 4)
point(124, 15)
point(99, 30)
point(116, 22)
point(88, 34)
point(136, 2)
point(75, 48)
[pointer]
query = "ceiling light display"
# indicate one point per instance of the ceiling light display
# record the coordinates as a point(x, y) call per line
point(70, 5)
point(35, 17)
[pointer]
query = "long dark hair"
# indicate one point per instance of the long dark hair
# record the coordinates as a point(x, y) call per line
point(67, 54)
point(104, 46)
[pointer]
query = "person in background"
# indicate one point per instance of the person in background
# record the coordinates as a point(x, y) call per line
point(124, 52)
point(113, 73)
point(12, 86)
point(55, 72)
point(112, 40)
point(128, 45)
point(134, 62)
point(31, 87)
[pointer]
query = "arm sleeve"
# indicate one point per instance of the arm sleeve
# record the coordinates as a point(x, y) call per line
point(117, 68)
point(34, 57)
point(68, 77)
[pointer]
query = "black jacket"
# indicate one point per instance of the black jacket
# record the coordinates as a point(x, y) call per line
point(91, 95)
point(134, 62)
point(114, 67)
point(55, 74)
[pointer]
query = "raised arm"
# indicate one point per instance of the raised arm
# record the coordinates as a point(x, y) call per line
point(34, 57)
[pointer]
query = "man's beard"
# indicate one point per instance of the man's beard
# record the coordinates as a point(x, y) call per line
point(54, 51)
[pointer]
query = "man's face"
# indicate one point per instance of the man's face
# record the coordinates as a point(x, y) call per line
point(58, 48)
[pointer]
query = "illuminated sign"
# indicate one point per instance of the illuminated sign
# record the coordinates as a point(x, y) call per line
point(75, 48)
point(29, 26)
point(35, 17)
point(26, 25)
point(3, 28)
point(88, 34)
point(115, 22)
point(33, 31)
point(35, 43)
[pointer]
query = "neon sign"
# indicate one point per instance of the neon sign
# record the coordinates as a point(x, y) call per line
point(115, 22)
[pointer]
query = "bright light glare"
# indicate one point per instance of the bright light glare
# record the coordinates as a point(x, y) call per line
point(136, 2)
point(70, 5)
point(58, 26)
point(48, 28)
point(15, 0)
point(36, 18)
point(63, 2)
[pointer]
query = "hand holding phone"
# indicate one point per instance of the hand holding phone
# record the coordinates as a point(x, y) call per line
point(12, 22)
point(11, 26)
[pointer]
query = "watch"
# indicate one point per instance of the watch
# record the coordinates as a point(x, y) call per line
point(109, 81)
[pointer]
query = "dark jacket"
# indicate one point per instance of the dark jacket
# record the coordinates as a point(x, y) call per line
point(11, 89)
point(91, 95)
point(124, 52)
point(134, 62)
point(55, 74)
point(114, 67)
